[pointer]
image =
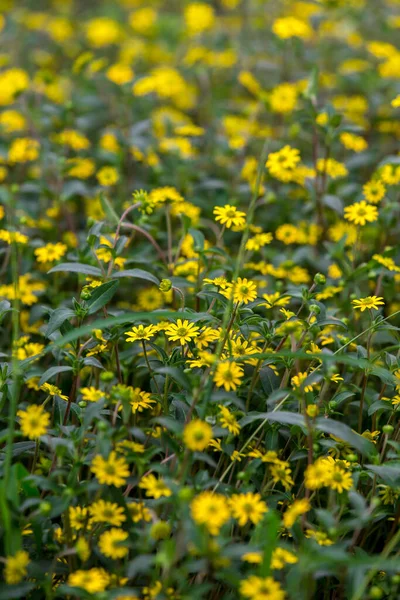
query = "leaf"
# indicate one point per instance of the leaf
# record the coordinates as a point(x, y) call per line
point(101, 296)
point(20, 590)
point(270, 529)
point(57, 318)
point(177, 375)
point(137, 274)
point(279, 416)
point(76, 268)
point(108, 209)
point(140, 564)
point(198, 238)
point(389, 473)
point(51, 372)
point(345, 433)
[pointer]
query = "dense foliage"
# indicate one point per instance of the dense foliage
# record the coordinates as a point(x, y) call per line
point(200, 269)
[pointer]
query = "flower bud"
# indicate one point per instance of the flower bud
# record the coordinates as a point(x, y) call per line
point(319, 279)
point(388, 429)
point(107, 376)
point(160, 530)
point(165, 285)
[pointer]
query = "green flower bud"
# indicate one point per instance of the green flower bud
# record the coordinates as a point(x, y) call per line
point(388, 429)
point(352, 457)
point(314, 308)
point(375, 592)
point(186, 494)
point(45, 508)
point(102, 426)
point(160, 530)
point(165, 285)
point(85, 294)
point(82, 404)
point(107, 376)
point(319, 279)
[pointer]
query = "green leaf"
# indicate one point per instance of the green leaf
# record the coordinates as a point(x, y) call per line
point(51, 372)
point(345, 433)
point(280, 416)
point(198, 238)
point(389, 473)
point(76, 268)
point(101, 296)
point(57, 318)
point(108, 209)
point(137, 274)
point(177, 375)
point(270, 526)
point(20, 590)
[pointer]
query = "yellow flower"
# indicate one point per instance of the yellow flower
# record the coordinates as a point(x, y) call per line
point(50, 253)
point(340, 480)
point(228, 420)
point(73, 139)
point(34, 421)
point(281, 557)
point(119, 74)
point(91, 394)
point(182, 331)
point(79, 517)
point(103, 511)
point(23, 150)
point(298, 380)
point(107, 176)
point(283, 163)
point(11, 121)
point(281, 473)
point(374, 191)
point(197, 435)
point(283, 100)
point(15, 568)
point(92, 581)
point(155, 488)
point(244, 290)
point(295, 510)
point(111, 470)
point(228, 375)
point(288, 27)
point(140, 333)
point(229, 216)
point(396, 102)
point(110, 543)
point(53, 390)
point(331, 167)
point(370, 302)
point(247, 508)
point(261, 588)
point(353, 142)
point(102, 32)
point(199, 17)
point(361, 213)
point(210, 509)
point(317, 475)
